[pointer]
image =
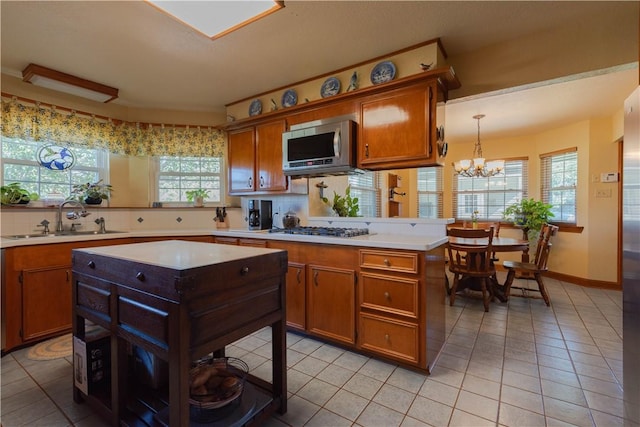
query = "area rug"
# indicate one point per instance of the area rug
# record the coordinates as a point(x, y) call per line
point(54, 348)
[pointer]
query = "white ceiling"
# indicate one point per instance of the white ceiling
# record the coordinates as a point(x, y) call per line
point(159, 63)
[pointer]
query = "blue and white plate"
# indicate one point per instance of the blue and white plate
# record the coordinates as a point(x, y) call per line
point(255, 108)
point(383, 72)
point(55, 157)
point(289, 98)
point(330, 87)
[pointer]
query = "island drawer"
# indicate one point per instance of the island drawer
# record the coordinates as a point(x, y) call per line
point(391, 338)
point(403, 262)
point(389, 294)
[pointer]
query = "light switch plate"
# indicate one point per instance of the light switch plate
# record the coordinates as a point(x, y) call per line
point(609, 177)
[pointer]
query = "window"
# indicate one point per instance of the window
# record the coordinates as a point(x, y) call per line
point(177, 175)
point(559, 176)
point(430, 192)
point(19, 164)
point(366, 188)
point(490, 196)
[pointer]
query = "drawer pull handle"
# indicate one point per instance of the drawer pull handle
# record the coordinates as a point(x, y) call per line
point(140, 276)
point(387, 262)
point(387, 338)
point(315, 278)
point(91, 264)
point(244, 271)
point(387, 296)
point(298, 276)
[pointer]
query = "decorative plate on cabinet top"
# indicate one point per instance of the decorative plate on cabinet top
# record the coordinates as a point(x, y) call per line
point(255, 108)
point(330, 87)
point(383, 72)
point(289, 98)
point(55, 157)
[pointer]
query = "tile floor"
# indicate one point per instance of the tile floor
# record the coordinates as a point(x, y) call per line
point(521, 364)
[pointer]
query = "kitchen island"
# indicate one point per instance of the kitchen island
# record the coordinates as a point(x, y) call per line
point(179, 301)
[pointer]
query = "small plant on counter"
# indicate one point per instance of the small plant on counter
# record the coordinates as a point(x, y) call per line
point(91, 193)
point(14, 194)
point(197, 196)
point(344, 206)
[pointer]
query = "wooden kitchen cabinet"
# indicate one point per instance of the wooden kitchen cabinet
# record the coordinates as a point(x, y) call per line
point(397, 128)
point(331, 303)
point(46, 301)
point(255, 159)
point(296, 296)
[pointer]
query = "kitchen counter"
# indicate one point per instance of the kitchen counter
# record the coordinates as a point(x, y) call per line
point(380, 240)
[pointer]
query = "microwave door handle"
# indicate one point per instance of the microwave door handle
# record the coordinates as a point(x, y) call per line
point(336, 142)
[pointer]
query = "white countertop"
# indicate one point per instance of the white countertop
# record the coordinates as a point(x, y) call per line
point(388, 241)
point(178, 254)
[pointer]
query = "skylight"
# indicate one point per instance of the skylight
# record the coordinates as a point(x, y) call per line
point(218, 17)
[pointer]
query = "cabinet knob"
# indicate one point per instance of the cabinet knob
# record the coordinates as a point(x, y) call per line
point(140, 276)
point(387, 296)
point(366, 150)
point(91, 264)
point(387, 262)
point(244, 271)
point(387, 338)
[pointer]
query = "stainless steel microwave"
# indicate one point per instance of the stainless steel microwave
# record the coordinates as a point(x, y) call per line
point(323, 147)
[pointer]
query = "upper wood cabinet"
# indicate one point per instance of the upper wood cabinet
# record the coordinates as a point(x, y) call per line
point(255, 159)
point(397, 128)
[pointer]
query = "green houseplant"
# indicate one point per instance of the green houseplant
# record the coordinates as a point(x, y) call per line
point(344, 206)
point(91, 194)
point(14, 194)
point(529, 214)
point(197, 196)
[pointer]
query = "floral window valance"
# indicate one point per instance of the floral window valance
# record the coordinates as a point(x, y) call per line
point(49, 124)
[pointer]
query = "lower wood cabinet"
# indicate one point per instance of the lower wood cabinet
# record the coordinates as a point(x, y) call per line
point(46, 301)
point(331, 303)
point(296, 296)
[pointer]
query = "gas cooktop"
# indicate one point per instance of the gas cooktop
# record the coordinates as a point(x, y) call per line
point(323, 231)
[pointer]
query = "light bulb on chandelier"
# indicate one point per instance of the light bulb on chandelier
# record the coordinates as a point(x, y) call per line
point(477, 167)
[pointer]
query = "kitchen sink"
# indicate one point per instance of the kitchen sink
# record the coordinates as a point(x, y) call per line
point(60, 234)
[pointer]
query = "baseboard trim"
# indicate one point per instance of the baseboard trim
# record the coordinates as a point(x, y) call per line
point(588, 283)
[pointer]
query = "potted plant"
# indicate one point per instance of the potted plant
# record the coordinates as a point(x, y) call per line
point(344, 206)
point(197, 196)
point(14, 194)
point(91, 194)
point(529, 214)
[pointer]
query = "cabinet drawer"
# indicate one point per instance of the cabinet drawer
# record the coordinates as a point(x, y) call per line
point(390, 294)
point(392, 338)
point(389, 261)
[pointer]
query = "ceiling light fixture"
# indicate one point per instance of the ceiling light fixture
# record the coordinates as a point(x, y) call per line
point(217, 18)
point(63, 82)
point(476, 167)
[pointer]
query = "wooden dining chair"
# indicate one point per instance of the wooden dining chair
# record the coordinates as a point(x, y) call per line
point(538, 267)
point(469, 233)
point(472, 263)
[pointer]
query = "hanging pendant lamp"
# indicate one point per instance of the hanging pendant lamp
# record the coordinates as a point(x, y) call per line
point(477, 167)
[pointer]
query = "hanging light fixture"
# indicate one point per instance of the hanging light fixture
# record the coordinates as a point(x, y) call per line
point(476, 167)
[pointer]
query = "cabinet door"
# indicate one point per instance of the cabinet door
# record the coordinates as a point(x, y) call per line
point(296, 284)
point(241, 161)
point(269, 174)
point(46, 302)
point(331, 303)
point(396, 128)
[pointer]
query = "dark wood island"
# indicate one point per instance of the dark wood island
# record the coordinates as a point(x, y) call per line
point(178, 301)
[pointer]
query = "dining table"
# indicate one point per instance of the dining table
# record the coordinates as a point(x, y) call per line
point(498, 244)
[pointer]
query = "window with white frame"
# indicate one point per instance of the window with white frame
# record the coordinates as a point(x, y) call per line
point(19, 164)
point(177, 175)
point(558, 178)
point(366, 187)
point(429, 192)
point(490, 196)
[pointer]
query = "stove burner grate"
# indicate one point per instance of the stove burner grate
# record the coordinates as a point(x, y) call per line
point(323, 231)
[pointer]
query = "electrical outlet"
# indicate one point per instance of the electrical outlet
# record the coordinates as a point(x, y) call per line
point(603, 193)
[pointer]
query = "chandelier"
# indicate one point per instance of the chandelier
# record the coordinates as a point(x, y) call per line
point(476, 167)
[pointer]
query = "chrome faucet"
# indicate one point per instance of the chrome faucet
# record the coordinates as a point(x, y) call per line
point(100, 221)
point(70, 215)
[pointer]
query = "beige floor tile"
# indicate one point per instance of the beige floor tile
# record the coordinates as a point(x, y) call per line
point(429, 411)
point(464, 419)
point(481, 386)
point(516, 417)
point(522, 399)
point(478, 405)
point(347, 404)
point(567, 412)
point(376, 415)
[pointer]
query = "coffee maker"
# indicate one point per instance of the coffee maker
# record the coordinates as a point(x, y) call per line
point(260, 215)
